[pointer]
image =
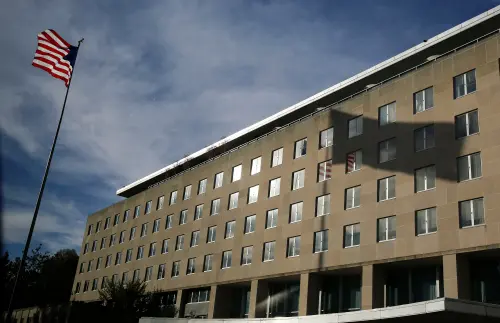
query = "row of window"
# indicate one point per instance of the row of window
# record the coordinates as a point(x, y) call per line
point(465, 125)
point(469, 167)
point(471, 213)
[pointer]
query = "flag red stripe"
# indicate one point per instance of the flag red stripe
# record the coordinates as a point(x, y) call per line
point(48, 70)
point(65, 64)
point(60, 38)
point(54, 66)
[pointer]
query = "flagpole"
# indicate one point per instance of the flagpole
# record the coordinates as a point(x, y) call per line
point(39, 199)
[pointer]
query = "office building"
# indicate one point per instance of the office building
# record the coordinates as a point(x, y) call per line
point(380, 191)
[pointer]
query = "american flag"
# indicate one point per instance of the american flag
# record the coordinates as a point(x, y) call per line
point(325, 170)
point(55, 55)
point(351, 160)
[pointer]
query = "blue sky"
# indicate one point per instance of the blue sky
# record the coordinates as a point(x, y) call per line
point(156, 80)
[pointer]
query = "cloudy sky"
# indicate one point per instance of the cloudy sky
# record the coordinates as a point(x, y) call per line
point(156, 80)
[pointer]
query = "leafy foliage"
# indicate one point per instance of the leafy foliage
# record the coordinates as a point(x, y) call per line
point(47, 279)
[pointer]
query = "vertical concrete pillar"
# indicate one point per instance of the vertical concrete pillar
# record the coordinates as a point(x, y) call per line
point(372, 287)
point(367, 287)
point(259, 293)
point(213, 300)
point(456, 276)
point(179, 304)
point(309, 294)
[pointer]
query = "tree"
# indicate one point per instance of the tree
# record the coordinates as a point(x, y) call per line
point(127, 302)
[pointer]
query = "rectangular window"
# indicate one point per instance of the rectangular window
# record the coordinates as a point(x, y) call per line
point(164, 246)
point(269, 250)
point(190, 266)
point(112, 240)
point(295, 212)
point(469, 167)
point(355, 127)
point(253, 194)
point(211, 235)
point(352, 197)
point(95, 283)
point(89, 267)
point(425, 178)
point(173, 198)
point(77, 288)
point(387, 114)
point(198, 212)
point(215, 209)
point(423, 100)
point(195, 238)
point(108, 261)
point(126, 215)
point(140, 253)
point(387, 150)
point(274, 187)
point(176, 266)
point(114, 278)
point(136, 275)
point(272, 219)
point(464, 84)
point(132, 233)
point(471, 212)
point(321, 241)
point(466, 124)
point(236, 173)
point(250, 224)
point(425, 221)
point(107, 222)
point(168, 221)
point(103, 243)
point(298, 179)
point(187, 192)
point(255, 165)
point(386, 228)
point(199, 296)
point(227, 257)
point(324, 171)
point(116, 219)
point(128, 255)
point(144, 229)
point(326, 138)
point(424, 138)
point(323, 205)
point(156, 225)
point(202, 186)
point(183, 217)
point(354, 161)
point(207, 263)
point(179, 242)
point(246, 255)
point(233, 200)
point(277, 157)
point(219, 177)
point(94, 246)
point(300, 148)
point(161, 272)
point(124, 277)
point(386, 188)
point(149, 272)
point(230, 229)
point(98, 226)
point(98, 264)
point(86, 248)
point(293, 247)
point(147, 209)
point(118, 258)
point(86, 286)
point(137, 211)
point(159, 203)
point(121, 239)
point(89, 231)
point(152, 249)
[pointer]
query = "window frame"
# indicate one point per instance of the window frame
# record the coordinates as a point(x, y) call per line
point(352, 226)
point(386, 219)
point(426, 180)
point(269, 251)
point(425, 136)
point(202, 186)
point(473, 218)
point(293, 246)
point(276, 191)
point(355, 188)
point(322, 233)
point(215, 207)
point(277, 157)
point(227, 259)
point(387, 188)
point(250, 224)
point(387, 113)
point(249, 255)
point(275, 218)
point(424, 96)
point(357, 133)
point(426, 214)
point(358, 154)
point(195, 239)
point(470, 166)
point(387, 141)
point(186, 194)
point(252, 193)
point(208, 263)
point(327, 133)
point(466, 85)
point(236, 173)
point(218, 180)
point(230, 227)
point(323, 168)
point(296, 216)
point(233, 201)
point(323, 197)
point(255, 165)
point(298, 177)
point(467, 123)
point(211, 238)
point(300, 148)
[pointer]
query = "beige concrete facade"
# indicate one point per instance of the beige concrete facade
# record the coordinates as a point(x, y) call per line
point(445, 244)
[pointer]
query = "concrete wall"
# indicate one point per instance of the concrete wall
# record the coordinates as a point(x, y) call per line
point(483, 57)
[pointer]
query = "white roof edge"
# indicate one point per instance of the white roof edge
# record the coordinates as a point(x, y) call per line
point(409, 52)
